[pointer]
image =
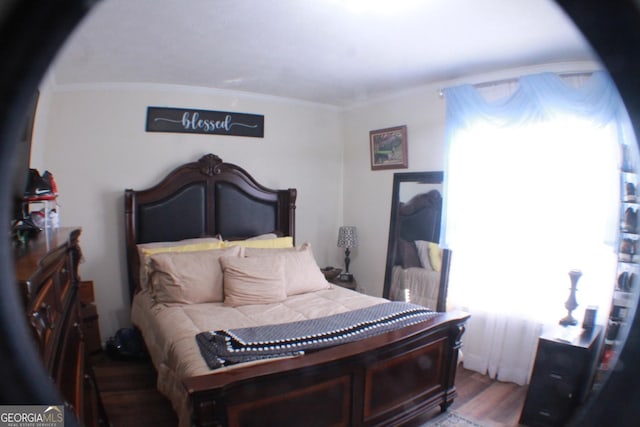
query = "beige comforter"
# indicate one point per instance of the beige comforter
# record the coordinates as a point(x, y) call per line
point(169, 330)
point(416, 285)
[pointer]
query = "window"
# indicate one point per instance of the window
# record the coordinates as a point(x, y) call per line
point(532, 191)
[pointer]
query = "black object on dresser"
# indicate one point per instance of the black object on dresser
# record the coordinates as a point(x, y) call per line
point(562, 375)
point(47, 274)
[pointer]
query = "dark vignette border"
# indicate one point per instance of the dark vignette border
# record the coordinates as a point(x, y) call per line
point(31, 32)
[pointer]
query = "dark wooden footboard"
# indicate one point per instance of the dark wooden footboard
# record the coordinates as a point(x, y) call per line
point(384, 380)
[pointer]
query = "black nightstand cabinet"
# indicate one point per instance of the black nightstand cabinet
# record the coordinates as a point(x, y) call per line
point(353, 285)
point(561, 379)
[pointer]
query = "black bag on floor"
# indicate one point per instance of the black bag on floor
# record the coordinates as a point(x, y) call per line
point(127, 344)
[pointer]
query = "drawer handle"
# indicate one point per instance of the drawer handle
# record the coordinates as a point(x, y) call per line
point(78, 328)
point(556, 376)
point(545, 413)
point(44, 316)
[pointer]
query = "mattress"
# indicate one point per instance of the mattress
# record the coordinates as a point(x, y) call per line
point(169, 331)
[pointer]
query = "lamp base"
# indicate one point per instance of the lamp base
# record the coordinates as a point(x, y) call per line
point(569, 320)
point(346, 277)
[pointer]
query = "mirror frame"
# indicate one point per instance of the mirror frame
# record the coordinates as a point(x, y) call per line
point(436, 177)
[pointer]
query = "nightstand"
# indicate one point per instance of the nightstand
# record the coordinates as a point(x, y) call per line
point(353, 284)
point(563, 372)
point(333, 276)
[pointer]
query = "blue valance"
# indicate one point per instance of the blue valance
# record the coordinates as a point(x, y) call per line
point(538, 96)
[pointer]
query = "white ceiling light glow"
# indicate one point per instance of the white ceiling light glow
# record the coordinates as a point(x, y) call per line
point(382, 7)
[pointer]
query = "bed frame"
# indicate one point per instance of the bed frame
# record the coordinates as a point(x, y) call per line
point(384, 380)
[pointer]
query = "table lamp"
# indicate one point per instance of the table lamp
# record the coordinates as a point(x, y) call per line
point(347, 239)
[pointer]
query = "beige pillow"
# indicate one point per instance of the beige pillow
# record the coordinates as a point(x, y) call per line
point(301, 270)
point(189, 277)
point(253, 281)
point(145, 250)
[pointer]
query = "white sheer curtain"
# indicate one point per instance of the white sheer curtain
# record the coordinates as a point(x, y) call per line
point(531, 192)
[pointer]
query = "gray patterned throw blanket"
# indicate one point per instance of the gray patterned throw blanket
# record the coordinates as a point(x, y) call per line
point(231, 346)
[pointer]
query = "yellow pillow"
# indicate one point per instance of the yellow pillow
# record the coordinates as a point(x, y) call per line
point(279, 242)
point(190, 247)
point(435, 256)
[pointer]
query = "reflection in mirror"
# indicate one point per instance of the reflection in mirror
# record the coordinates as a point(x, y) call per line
point(417, 268)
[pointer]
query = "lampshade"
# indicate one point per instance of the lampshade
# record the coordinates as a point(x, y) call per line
point(347, 237)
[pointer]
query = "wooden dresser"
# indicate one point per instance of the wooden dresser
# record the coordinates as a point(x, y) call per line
point(47, 274)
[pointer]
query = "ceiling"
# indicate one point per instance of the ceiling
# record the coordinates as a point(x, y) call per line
point(335, 52)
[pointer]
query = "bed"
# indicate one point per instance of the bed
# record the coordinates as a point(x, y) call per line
point(420, 270)
point(386, 378)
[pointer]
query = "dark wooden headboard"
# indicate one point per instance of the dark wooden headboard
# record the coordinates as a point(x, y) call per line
point(420, 217)
point(204, 198)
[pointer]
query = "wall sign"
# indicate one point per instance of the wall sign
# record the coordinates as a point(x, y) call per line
point(187, 120)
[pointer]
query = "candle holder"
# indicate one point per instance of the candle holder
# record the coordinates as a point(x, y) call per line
point(571, 303)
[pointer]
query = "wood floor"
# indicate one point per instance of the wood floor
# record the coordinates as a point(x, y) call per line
point(128, 394)
point(489, 402)
point(128, 390)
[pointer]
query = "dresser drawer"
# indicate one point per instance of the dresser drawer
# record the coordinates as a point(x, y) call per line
point(64, 279)
point(546, 412)
point(554, 388)
point(563, 362)
point(45, 317)
point(69, 372)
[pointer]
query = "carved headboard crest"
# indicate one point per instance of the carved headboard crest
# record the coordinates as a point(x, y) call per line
point(210, 164)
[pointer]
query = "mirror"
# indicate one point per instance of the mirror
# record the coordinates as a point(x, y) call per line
point(417, 268)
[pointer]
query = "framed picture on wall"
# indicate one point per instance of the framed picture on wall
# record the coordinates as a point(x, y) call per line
point(389, 148)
